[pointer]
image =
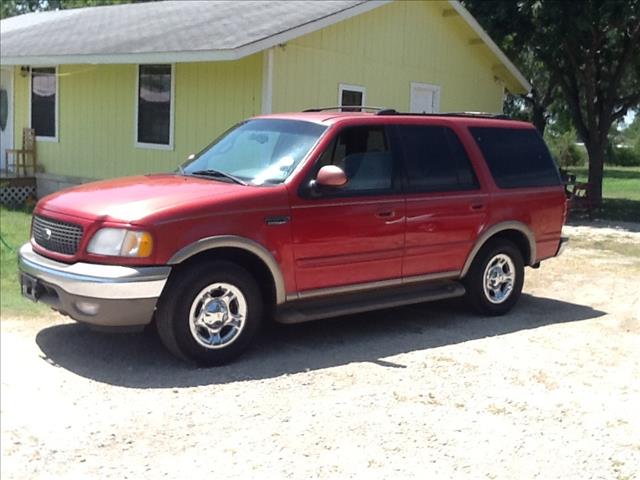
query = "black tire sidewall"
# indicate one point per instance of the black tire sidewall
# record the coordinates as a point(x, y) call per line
point(183, 293)
point(475, 279)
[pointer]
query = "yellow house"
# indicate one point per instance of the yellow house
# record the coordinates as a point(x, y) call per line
point(129, 89)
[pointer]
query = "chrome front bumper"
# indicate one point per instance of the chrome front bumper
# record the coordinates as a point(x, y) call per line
point(105, 295)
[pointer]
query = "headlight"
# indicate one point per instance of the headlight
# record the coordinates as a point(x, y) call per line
point(120, 242)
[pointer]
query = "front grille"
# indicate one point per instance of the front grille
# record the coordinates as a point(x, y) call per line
point(56, 236)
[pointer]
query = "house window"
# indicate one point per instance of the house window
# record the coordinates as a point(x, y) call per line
point(425, 98)
point(155, 106)
point(44, 101)
point(351, 96)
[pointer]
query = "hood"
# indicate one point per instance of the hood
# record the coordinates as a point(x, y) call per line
point(133, 198)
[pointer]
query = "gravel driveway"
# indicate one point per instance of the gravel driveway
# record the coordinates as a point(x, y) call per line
point(428, 391)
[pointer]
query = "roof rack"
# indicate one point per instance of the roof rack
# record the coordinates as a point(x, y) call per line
point(391, 111)
point(497, 116)
point(347, 108)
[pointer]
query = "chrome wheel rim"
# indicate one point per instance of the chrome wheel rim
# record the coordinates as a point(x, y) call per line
point(499, 278)
point(218, 315)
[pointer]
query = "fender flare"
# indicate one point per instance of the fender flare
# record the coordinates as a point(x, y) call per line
point(497, 228)
point(242, 243)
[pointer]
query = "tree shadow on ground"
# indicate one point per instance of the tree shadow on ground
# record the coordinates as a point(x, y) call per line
point(139, 360)
point(614, 213)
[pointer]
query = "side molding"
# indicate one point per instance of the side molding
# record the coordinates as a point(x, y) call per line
point(233, 241)
point(362, 287)
point(500, 227)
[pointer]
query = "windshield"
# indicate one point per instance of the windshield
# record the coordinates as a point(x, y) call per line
point(257, 151)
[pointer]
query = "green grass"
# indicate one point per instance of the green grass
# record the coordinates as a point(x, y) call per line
point(619, 182)
point(620, 191)
point(14, 229)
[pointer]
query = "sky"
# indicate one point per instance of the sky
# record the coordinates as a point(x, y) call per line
point(628, 118)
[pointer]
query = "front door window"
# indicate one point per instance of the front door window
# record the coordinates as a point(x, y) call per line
point(364, 155)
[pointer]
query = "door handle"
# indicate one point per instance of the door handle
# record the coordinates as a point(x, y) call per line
point(386, 214)
point(477, 206)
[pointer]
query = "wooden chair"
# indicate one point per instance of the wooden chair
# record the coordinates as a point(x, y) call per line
point(581, 198)
point(20, 156)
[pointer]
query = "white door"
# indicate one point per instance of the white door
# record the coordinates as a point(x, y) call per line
point(425, 98)
point(6, 113)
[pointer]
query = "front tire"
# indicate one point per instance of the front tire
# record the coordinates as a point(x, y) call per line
point(210, 313)
point(494, 281)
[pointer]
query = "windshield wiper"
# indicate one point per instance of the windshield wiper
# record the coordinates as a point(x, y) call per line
point(218, 173)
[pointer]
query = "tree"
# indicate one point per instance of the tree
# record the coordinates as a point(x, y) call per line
point(10, 8)
point(535, 105)
point(630, 134)
point(589, 50)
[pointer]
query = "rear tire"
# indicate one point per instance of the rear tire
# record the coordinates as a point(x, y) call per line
point(494, 281)
point(210, 313)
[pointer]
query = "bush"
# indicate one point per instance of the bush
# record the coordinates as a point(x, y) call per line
point(564, 149)
point(623, 157)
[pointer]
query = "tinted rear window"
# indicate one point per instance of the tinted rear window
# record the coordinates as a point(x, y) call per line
point(435, 159)
point(516, 157)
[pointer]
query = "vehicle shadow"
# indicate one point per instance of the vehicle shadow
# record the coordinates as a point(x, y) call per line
point(140, 361)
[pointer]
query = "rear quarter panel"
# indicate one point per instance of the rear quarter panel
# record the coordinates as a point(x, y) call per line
point(542, 209)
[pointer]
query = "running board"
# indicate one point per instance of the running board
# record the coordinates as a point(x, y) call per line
point(305, 310)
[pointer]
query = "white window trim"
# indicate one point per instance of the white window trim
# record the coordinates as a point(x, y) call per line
point(172, 108)
point(267, 81)
point(39, 138)
point(10, 116)
point(437, 92)
point(352, 88)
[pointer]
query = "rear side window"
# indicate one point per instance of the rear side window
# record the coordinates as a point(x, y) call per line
point(516, 157)
point(435, 159)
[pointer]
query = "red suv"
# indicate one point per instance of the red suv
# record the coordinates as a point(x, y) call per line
point(299, 217)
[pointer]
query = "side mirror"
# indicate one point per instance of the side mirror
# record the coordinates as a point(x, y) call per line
point(331, 176)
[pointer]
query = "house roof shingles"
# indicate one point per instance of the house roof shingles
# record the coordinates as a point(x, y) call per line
point(186, 31)
point(169, 26)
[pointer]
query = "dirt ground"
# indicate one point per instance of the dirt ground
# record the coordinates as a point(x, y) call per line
point(428, 391)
